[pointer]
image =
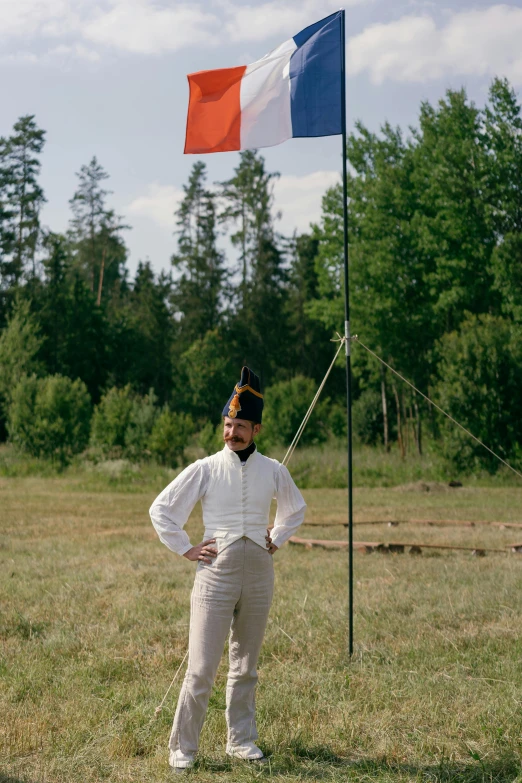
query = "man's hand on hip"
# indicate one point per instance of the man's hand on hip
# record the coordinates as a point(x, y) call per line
point(271, 547)
point(202, 551)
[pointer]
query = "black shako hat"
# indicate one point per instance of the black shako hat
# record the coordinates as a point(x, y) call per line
point(246, 401)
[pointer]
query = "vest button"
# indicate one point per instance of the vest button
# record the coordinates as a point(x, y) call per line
point(244, 538)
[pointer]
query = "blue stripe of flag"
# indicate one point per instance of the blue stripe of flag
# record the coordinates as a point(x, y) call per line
point(315, 79)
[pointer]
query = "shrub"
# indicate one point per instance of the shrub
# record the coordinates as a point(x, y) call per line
point(112, 418)
point(367, 420)
point(286, 404)
point(20, 343)
point(337, 420)
point(50, 416)
point(123, 422)
point(143, 415)
point(208, 367)
point(210, 438)
point(169, 437)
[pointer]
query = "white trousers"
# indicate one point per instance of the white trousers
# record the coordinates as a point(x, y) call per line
point(231, 594)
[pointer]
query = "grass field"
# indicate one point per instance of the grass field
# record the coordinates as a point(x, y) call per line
point(94, 622)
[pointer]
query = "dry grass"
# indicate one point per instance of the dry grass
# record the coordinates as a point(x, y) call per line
point(94, 622)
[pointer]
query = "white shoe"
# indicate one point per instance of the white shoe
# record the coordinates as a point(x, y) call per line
point(248, 751)
point(180, 761)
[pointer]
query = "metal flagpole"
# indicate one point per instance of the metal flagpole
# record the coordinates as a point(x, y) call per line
point(347, 335)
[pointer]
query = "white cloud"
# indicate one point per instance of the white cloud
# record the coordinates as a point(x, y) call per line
point(19, 58)
point(299, 198)
point(141, 27)
point(136, 26)
point(482, 42)
point(158, 204)
point(78, 51)
point(258, 22)
point(153, 26)
point(27, 18)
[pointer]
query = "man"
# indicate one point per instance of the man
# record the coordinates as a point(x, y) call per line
point(234, 578)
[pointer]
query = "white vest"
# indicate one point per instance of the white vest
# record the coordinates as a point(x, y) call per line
point(238, 497)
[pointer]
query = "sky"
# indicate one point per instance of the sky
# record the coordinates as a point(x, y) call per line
point(108, 78)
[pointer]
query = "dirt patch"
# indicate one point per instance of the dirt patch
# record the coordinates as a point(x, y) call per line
point(424, 486)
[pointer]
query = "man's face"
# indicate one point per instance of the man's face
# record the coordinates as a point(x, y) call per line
point(238, 434)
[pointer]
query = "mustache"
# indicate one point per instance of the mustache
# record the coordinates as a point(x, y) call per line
point(233, 438)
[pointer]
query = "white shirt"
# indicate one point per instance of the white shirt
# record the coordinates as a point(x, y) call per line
point(236, 501)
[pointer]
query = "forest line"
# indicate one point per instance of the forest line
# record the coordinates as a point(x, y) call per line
point(435, 237)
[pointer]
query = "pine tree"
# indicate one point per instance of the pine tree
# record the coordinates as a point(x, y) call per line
point(259, 327)
point(9, 271)
point(20, 345)
point(248, 199)
point(54, 303)
point(21, 199)
point(143, 332)
point(307, 337)
point(26, 196)
point(199, 288)
point(96, 231)
point(259, 319)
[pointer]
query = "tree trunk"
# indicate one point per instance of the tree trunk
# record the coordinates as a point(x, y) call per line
point(411, 421)
point(399, 425)
point(22, 213)
point(100, 281)
point(384, 410)
point(405, 429)
point(418, 428)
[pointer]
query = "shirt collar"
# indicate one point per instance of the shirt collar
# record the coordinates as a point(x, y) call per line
point(231, 456)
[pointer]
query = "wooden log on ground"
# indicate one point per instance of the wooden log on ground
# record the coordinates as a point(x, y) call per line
point(395, 546)
point(308, 543)
point(431, 523)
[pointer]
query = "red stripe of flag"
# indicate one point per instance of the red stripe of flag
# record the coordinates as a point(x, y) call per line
point(214, 113)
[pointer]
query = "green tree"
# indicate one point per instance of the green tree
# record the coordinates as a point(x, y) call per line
point(478, 382)
point(451, 224)
point(20, 344)
point(112, 418)
point(20, 169)
point(307, 338)
point(10, 273)
point(208, 372)
point(50, 417)
point(260, 314)
point(123, 422)
point(390, 310)
point(328, 306)
point(143, 415)
point(210, 437)
point(53, 302)
point(169, 437)
point(76, 336)
point(286, 404)
point(87, 342)
point(100, 252)
point(248, 199)
point(144, 335)
point(503, 140)
point(199, 286)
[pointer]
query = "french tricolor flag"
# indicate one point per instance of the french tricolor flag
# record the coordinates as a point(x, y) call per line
point(293, 91)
